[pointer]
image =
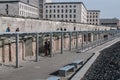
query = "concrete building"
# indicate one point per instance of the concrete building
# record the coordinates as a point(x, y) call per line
point(25, 8)
point(93, 17)
point(110, 22)
point(65, 11)
point(41, 7)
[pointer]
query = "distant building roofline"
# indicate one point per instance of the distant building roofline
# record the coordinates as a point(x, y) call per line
point(94, 10)
point(67, 3)
point(109, 18)
point(16, 2)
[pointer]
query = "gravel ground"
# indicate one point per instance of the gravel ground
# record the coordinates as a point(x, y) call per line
point(107, 65)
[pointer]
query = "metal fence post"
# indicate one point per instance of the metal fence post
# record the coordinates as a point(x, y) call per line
point(17, 50)
point(37, 47)
point(70, 34)
point(61, 42)
point(77, 40)
point(51, 35)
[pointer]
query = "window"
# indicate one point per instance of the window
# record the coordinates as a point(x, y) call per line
point(74, 6)
point(27, 1)
point(74, 10)
point(70, 11)
point(46, 11)
point(58, 10)
point(62, 6)
point(66, 10)
point(70, 16)
point(62, 11)
point(50, 10)
point(58, 6)
point(50, 16)
point(54, 11)
point(54, 6)
point(50, 6)
point(66, 6)
point(61, 16)
point(74, 16)
point(58, 16)
point(66, 16)
point(54, 16)
point(74, 20)
point(70, 6)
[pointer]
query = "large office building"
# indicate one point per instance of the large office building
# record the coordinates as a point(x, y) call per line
point(93, 17)
point(25, 8)
point(65, 11)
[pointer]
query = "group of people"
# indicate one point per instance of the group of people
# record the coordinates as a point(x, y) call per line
point(47, 48)
point(8, 29)
point(107, 65)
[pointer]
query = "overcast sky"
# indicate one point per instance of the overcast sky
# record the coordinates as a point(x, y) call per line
point(108, 8)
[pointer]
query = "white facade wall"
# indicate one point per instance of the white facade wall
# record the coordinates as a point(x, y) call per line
point(70, 12)
point(28, 11)
point(13, 8)
point(93, 17)
point(19, 9)
point(83, 14)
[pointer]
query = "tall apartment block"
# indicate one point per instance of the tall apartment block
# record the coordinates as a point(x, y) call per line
point(65, 11)
point(93, 17)
point(25, 8)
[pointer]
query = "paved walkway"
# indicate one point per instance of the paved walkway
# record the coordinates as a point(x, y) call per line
point(41, 70)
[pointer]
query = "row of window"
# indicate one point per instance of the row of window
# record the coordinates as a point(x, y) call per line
point(94, 23)
point(62, 6)
point(92, 16)
point(93, 20)
point(62, 11)
point(61, 16)
point(92, 13)
point(27, 8)
point(26, 14)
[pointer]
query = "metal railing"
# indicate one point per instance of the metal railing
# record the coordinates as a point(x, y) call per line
point(84, 47)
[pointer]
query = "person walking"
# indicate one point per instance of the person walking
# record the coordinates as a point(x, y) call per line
point(46, 48)
point(48, 43)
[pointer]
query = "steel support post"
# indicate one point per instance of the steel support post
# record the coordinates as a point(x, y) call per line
point(37, 47)
point(77, 40)
point(82, 41)
point(17, 50)
point(62, 42)
point(70, 40)
point(51, 35)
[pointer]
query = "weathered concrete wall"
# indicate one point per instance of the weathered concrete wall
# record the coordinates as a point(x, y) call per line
point(31, 25)
point(7, 49)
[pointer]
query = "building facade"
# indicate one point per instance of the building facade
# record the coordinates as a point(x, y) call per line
point(41, 7)
point(110, 22)
point(25, 8)
point(93, 17)
point(65, 11)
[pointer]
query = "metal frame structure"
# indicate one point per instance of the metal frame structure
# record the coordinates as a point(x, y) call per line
point(20, 35)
